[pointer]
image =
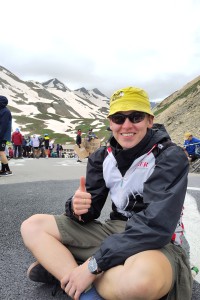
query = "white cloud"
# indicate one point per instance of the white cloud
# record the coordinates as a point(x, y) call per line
point(105, 44)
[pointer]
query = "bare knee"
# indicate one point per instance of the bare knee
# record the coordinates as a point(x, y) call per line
point(33, 227)
point(130, 285)
point(145, 276)
point(142, 288)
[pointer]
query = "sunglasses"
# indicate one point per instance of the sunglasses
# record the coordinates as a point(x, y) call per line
point(135, 117)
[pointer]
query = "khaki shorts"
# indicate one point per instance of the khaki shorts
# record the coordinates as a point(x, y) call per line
point(83, 240)
point(2, 145)
point(182, 276)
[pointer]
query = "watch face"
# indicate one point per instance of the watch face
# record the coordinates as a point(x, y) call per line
point(92, 265)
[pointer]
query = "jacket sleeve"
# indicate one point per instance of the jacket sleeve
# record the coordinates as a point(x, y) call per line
point(164, 192)
point(95, 185)
point(5, 118)
point(196, 141)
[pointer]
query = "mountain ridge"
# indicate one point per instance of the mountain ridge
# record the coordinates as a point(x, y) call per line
point(51, 107)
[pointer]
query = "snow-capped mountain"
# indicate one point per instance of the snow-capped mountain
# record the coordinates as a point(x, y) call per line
point(51, 106)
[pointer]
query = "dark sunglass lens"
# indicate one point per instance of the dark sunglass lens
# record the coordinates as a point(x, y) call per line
point(118, 118)
point(136, 117)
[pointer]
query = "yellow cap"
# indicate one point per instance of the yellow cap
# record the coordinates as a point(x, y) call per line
point(130, 98)
point(187, 134)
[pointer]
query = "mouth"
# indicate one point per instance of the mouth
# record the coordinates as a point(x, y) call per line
point(128, 134)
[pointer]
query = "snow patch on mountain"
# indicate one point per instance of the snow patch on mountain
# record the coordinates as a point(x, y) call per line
point(51, 102)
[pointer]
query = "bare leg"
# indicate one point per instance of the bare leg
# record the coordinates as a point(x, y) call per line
point(41, 236)
point(4, 159)
point(144, 276)
point(38, 153)
point(46, 152)
point(4, 162)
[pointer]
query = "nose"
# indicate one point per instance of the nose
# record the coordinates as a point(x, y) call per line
point(127, 123)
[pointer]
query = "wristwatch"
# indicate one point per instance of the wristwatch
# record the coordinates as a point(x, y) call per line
point(93, 266)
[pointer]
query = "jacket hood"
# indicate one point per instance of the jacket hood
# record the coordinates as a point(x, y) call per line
point(3, 101)
point(160, 133)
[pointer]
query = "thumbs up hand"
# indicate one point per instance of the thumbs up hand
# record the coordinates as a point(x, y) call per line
point(81, 200)
point(82, 184)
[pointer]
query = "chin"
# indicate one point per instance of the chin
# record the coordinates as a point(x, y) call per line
point(127, 145)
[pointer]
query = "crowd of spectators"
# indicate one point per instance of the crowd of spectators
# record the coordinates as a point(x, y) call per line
point(34, 146)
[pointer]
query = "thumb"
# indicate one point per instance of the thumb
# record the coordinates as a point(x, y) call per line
point(82, 184)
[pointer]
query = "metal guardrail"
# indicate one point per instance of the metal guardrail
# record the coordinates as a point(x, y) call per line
point(195, 166)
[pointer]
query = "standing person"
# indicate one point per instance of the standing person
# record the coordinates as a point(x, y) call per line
point(41, 146)
point(46, 145)
point(190, 145)
point(17, 143)
point(35, 142)
point(58, 150)
point(61, 151)
point(5, 134)
point(137, 253)
point(51, 147)
point(79, 141)
point(24, 142)
point(28, 147)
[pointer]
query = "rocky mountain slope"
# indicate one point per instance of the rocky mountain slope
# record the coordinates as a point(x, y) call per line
point(180, 112)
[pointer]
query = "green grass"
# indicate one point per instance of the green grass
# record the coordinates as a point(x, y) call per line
point(49, 116)
point(14, 109)
point(37, 126)
point(156, 113)
point(86, 124)
point(190, 90)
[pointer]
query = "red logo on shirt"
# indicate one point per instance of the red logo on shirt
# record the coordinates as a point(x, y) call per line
point(143, 164)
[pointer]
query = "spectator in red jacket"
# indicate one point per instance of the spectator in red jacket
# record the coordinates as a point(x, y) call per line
point(17, 143)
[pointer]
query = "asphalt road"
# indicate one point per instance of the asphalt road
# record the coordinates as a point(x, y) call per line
point(40, 186)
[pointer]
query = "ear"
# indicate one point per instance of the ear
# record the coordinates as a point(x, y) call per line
point(150, 121)
point(110, 122)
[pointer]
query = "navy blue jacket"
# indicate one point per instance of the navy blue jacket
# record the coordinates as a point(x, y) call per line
point(5, 120)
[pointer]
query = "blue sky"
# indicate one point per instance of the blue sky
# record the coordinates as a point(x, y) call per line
point(104, 44)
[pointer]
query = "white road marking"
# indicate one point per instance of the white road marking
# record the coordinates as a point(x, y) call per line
point(63, 163)
point(193, 188)
point(191, 221)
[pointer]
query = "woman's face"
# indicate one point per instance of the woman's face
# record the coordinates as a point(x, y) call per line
point(129, 134)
